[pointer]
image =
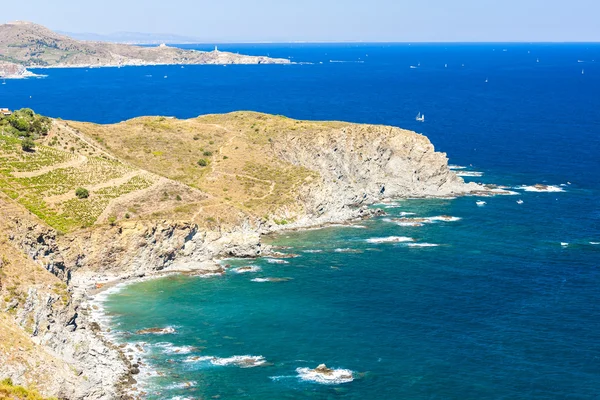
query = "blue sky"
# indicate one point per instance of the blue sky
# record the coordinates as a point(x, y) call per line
point(322, 20)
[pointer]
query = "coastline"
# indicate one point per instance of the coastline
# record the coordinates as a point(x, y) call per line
point(97, 293)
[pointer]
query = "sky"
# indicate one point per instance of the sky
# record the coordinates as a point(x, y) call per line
point(322, 20)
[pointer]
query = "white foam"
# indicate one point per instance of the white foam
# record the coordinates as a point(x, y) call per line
point(594, 243)
point(504, 192)
point(564, 244)
point(404, 213)
point(170, 348)
point(240, 361)
point(415, 222)
point(276, 261)
point(469, 173)
point(209, 275)
point(422, 245)
point(480, 203)
point(335, 377)
point(408, 223)
point(312, 251)
point(541, 188)
point(247, 269)
point(344, 250)
point(181, 385)
point(453, 167)
point(160, 331)
point(271, 279)
point(443, 218)
point(391, 239)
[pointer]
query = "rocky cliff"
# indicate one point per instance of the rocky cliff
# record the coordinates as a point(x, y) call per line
point(171, 195)
point(13, 71)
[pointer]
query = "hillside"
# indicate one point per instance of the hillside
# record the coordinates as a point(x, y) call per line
point(33, 45)
point(84, 204)
point(224, 168)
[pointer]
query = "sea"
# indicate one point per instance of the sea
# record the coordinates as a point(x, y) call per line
point(501, 301)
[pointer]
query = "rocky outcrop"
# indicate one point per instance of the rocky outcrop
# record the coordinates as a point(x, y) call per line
point(14, 71)
point(363, 164)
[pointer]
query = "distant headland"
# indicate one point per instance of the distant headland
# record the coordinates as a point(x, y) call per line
point(27, 45)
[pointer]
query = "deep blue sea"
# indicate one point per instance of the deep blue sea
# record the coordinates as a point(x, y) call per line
point(507, 306)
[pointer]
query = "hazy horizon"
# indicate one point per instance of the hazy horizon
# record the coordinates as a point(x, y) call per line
point(313, 21)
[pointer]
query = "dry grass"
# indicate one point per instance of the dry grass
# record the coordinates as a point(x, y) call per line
point(243, 174)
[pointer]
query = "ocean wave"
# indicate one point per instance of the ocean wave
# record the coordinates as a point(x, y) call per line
point(208, 275)
point(422, 245)
point(260, 280)
point(443, 218)
point(245, 269)
point(408, 223)
point(156, 331)
point(469, 173)
point(391, 239)
point(503, 191)
point(170, 348)
point(453, 167)
point(425, 220)
point(276, 261)
point(594, 243)
point(181, 385)
point(540, 188)
point(240, 361)
point(312, 251)
point(326, 376)
point(405, 214)
point(347, 250)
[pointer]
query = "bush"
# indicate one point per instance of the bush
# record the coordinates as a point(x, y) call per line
point(82, 193)
point(207, 153)
point(27, 144)
point(202, 162)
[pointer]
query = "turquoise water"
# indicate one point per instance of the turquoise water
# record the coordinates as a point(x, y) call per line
point(499, 310)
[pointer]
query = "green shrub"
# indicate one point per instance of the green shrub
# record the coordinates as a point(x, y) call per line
point(207, 153)
point(82, 193)
point(27, 144)
point(202, 162)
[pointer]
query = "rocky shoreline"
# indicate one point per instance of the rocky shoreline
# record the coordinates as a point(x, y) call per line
point(357, 166)
point(15, 71)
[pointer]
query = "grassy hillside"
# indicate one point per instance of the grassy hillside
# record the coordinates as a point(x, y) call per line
point(213, 169)
point(9, 391)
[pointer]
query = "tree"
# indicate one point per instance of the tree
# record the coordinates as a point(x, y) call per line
point(82, 193)
point(27, 144)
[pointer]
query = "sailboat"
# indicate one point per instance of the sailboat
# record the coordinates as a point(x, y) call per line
point(420, 117)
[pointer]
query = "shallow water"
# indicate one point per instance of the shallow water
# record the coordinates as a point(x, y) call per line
point(506, 306)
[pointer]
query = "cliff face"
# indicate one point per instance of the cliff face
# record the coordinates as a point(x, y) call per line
point(166, 216)
point(47, 339)
point(364, 164)
point(13, 71)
